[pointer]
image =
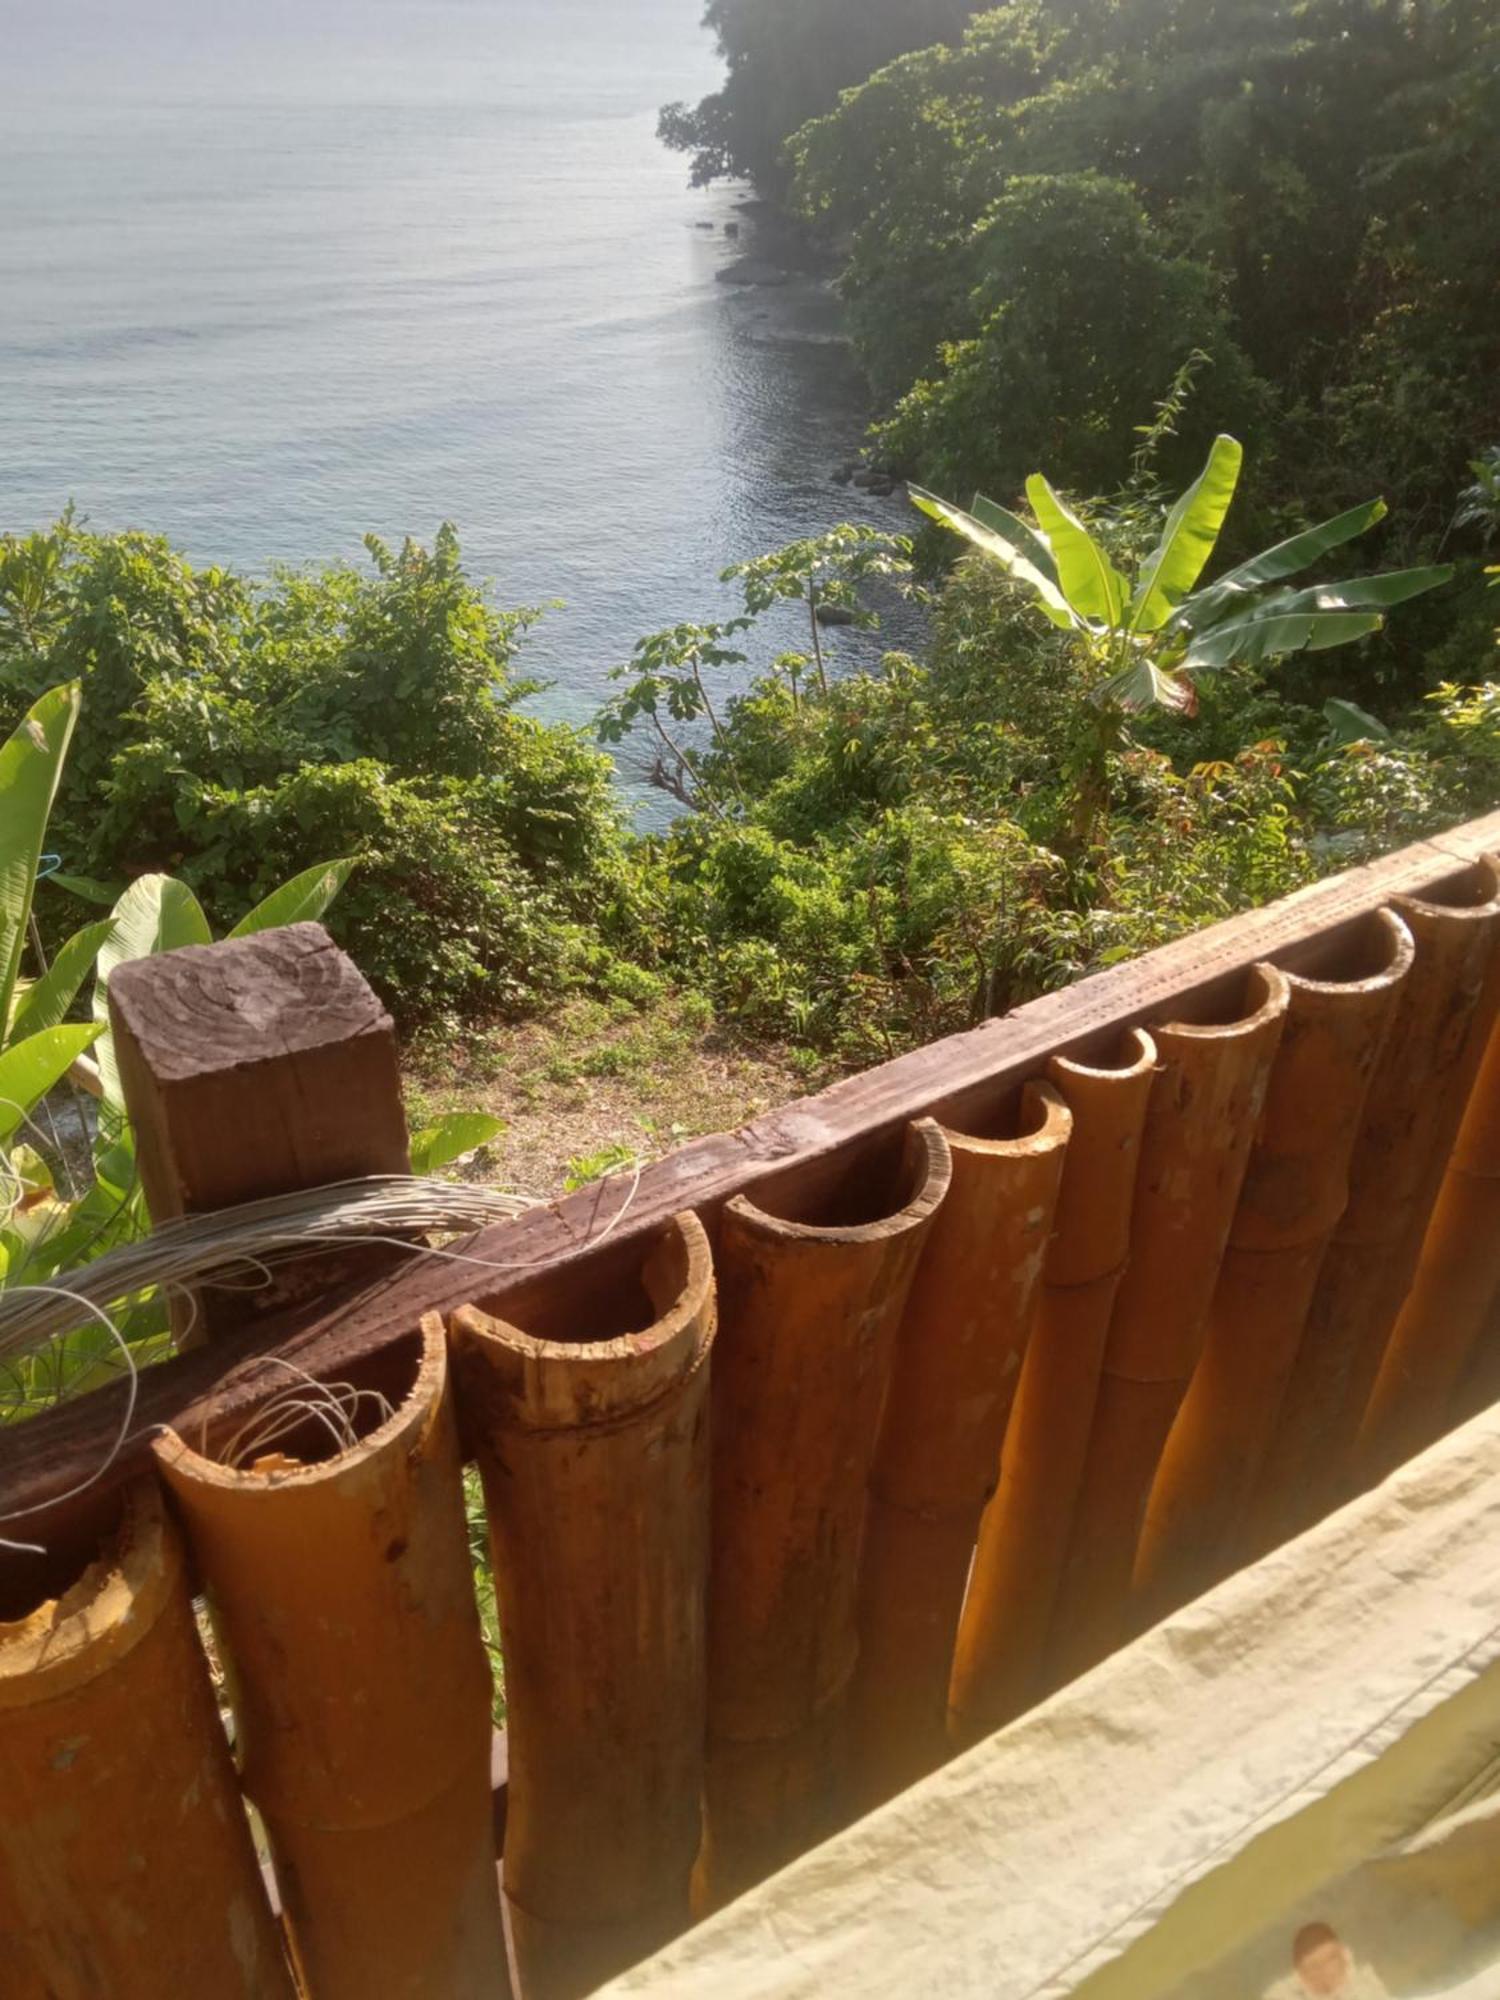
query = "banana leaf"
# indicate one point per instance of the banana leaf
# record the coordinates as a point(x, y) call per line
point(1090, 582)
point(1188, 539)
point(1005, 552)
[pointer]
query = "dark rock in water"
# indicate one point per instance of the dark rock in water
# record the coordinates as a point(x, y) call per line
point(703, 225)
point(834, 614)
point(841, 475)
point(731, 229)
point(882, 486)
point(864, 478)
point(752, 271)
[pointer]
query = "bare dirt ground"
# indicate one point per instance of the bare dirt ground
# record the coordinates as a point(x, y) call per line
point(597, 1088)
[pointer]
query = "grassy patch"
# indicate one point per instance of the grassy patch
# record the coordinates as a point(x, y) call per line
point(598, 1086)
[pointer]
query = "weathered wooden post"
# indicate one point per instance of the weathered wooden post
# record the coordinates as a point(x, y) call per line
point(252, 1069)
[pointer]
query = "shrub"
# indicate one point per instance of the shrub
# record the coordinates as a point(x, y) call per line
point(236, 733)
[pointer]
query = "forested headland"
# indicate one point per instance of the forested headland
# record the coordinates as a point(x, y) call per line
point(1079, 238)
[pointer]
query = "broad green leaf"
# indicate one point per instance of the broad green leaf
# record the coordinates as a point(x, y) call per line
point(1005, 552)
point(1272, 629)
point(300, 901)
point(1348, 723)
point(450, 1137)
point(1002, 522)
point(1273, 565)
point(47, 1000)
point(30, 766)
point(1188, 538)
point(1144, 684)
point(87, 890)
point(154, 914)
point(1368, 593)
point(1090, 581)
point(29, 1069)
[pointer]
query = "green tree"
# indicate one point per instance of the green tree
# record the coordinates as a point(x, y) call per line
point(787, 60)
point(234, 734)
point(1325, 166)
point(1146, 639)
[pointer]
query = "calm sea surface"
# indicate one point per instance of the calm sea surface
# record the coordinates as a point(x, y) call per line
point(275, 274)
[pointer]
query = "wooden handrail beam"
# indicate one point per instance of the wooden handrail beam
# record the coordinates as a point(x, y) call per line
point(802, 1146)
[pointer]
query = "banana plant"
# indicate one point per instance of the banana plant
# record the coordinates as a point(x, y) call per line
point(1149, 636)
point(1153, 633)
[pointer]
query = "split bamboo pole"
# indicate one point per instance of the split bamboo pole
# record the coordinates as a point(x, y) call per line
point(342, 1596)
point(1296, 1188)
point(1200, 1124)
point(591, 1431)
point(126, 1863)
point(810, 1309)
point(1454, 1292)
point(1023, 1538)
point(958, 1358)
point(1416, 1102)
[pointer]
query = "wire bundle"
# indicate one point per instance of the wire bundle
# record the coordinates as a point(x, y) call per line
point(242, 1245)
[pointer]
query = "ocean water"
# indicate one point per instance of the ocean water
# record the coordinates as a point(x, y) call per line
point(276, 274)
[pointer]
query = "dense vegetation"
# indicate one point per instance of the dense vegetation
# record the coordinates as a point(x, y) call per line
point(867, 857)
point(233, 733)
point(787, 62)
point(1040, 223)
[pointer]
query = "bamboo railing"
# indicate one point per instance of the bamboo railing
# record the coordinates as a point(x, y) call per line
point(816, 1454)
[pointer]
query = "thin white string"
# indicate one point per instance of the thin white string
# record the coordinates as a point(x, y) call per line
point(200, 1250)
point(317, 1238)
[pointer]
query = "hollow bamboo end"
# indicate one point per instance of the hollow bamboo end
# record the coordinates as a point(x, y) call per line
point(1266, 995)
point(784, 1217)
point(98, 1616)
point(1135, 1058)
point(1044, 1124)
point(415, 1379)
point(1472, 892)
point(1373, 958)
point(609, 1368)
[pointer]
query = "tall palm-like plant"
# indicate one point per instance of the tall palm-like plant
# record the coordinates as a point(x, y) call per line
point(1148, 637)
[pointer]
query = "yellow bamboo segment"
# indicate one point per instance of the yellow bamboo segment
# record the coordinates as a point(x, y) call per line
point(126, 1863)
point(1456, 1287)
point(590, 1425)
point(1200, 1125)
point(810, 1310)
point(958, 1359)
point(343, 1599)
point(1296, 1188)
point(1023, 1538)
point(1416, 1102)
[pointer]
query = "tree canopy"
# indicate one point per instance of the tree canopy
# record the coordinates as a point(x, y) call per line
point(1307, 190)
point(787, 62)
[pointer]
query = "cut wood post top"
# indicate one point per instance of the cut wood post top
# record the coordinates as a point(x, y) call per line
point(254, 1068)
